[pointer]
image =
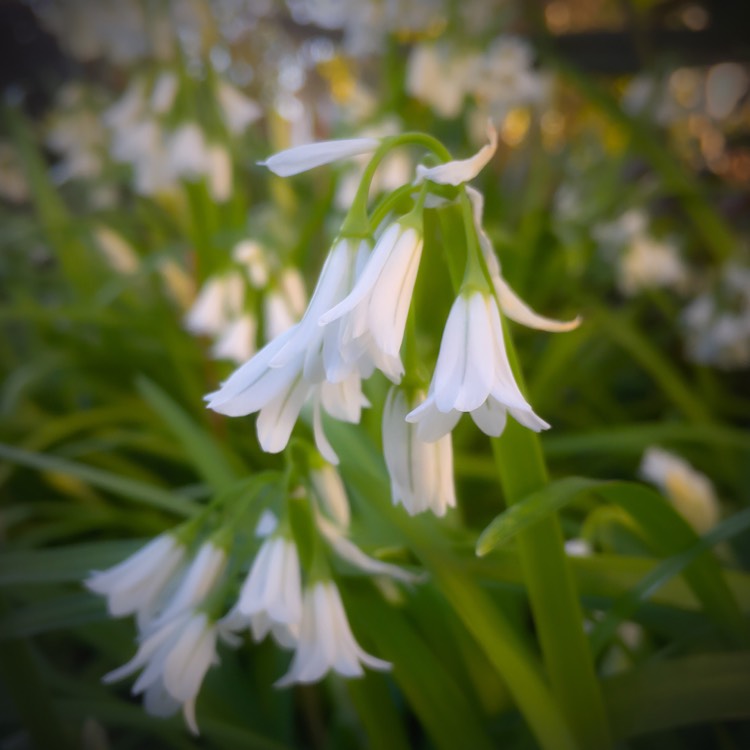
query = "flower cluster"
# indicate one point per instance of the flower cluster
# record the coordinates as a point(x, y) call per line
point(356, 323)
point(177, 588)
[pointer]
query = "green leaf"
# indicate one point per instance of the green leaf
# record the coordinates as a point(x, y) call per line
point(126, 488)
point(691, 690)
point(628, 604)
point(530, 510)
point(62, 564)
point(669, 534)
point(204, 452)
point(60, 613)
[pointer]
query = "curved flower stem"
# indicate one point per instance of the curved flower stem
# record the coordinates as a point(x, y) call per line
point(552, 592)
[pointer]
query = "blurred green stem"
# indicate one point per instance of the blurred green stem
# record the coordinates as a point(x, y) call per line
point(554, 599)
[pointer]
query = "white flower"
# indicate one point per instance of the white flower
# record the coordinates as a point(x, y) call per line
point(253, 257)
point(118, 252)
point(188, 152)
point(237, 341)
point(196, 583)
point(136, 585)
point(301, 158)
point(690, 492)
point(284, 303)
point(440, 77)
point(377, 306)
point(273, 585)
point(578, 547)
point(164, 92)
point(293, 367)
point(473, 374)
point(649, 263)
point(239, 110)
point(462, 170)
point(326, 641)
point(219, 173)
point(421, 473)
point(219, 302)
point(330, 490)
point(174, 658)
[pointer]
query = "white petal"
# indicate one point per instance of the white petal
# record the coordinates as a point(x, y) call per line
point(301, 158)
point(432, 424)
point(516, 309)
point(457, 172)
point(490, 417)
point(276, 419)
point(452, 363)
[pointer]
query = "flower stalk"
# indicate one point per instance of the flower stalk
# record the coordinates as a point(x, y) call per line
point(554, 600)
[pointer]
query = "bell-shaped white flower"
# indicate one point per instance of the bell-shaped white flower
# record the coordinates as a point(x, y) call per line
point(302, 158)
point(174, 658)
point(421, 473)
point(273, 585)
point(188, 152)
point(293, 368)
point(252, 256)
point(196, 583)
point(460, 171)
point(164, 92)
point(237, 340)
point(690, 491)
point(375, 311)
point(239, 110)
point(473, 374)
point(284, 303)
point(136, 585)
point(325, 640)
point(219, 301)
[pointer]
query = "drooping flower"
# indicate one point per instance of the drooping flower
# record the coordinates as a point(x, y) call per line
point(239, 110)
point(374, 313)
point(421, 473)
point(304, 362)
point(137, 584)
point(302, 158)
point(237, 341)
point(473, 374)
point(174, 658)
point(273, 585)
point(196, 583)
point(690, 491)
point(326, 641)
point(218, 303)
point(329, 488)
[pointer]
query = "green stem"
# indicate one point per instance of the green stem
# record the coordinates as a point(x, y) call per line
point(552, 593)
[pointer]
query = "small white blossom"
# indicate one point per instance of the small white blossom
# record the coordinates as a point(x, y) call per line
point(329, 488)
point(421, 473)
point(252, 256)
point(649, 263)
point(473, 374)
point(302, 158)
point(118, 252)
point(137, 585)
point(284, 303)
point(293, 368)
point(188, 152)
point(164, 92)
point(326, 641)
point(273, 585)
point(199, 578)
point(219, 302)
point(690, 492)
point(239, 110)
point(174, 658)
point(375, 311)
point(237, 341)
point(219, 173)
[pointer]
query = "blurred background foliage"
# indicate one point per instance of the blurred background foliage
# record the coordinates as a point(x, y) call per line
point(620, 192)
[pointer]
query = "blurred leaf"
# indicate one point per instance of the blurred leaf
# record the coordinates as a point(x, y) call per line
point(203, 450)
point(530, 510)
point(687, 691)
point(129, 489)
point(60, 613)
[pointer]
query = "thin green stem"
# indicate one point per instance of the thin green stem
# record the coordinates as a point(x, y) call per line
point(552, 592)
